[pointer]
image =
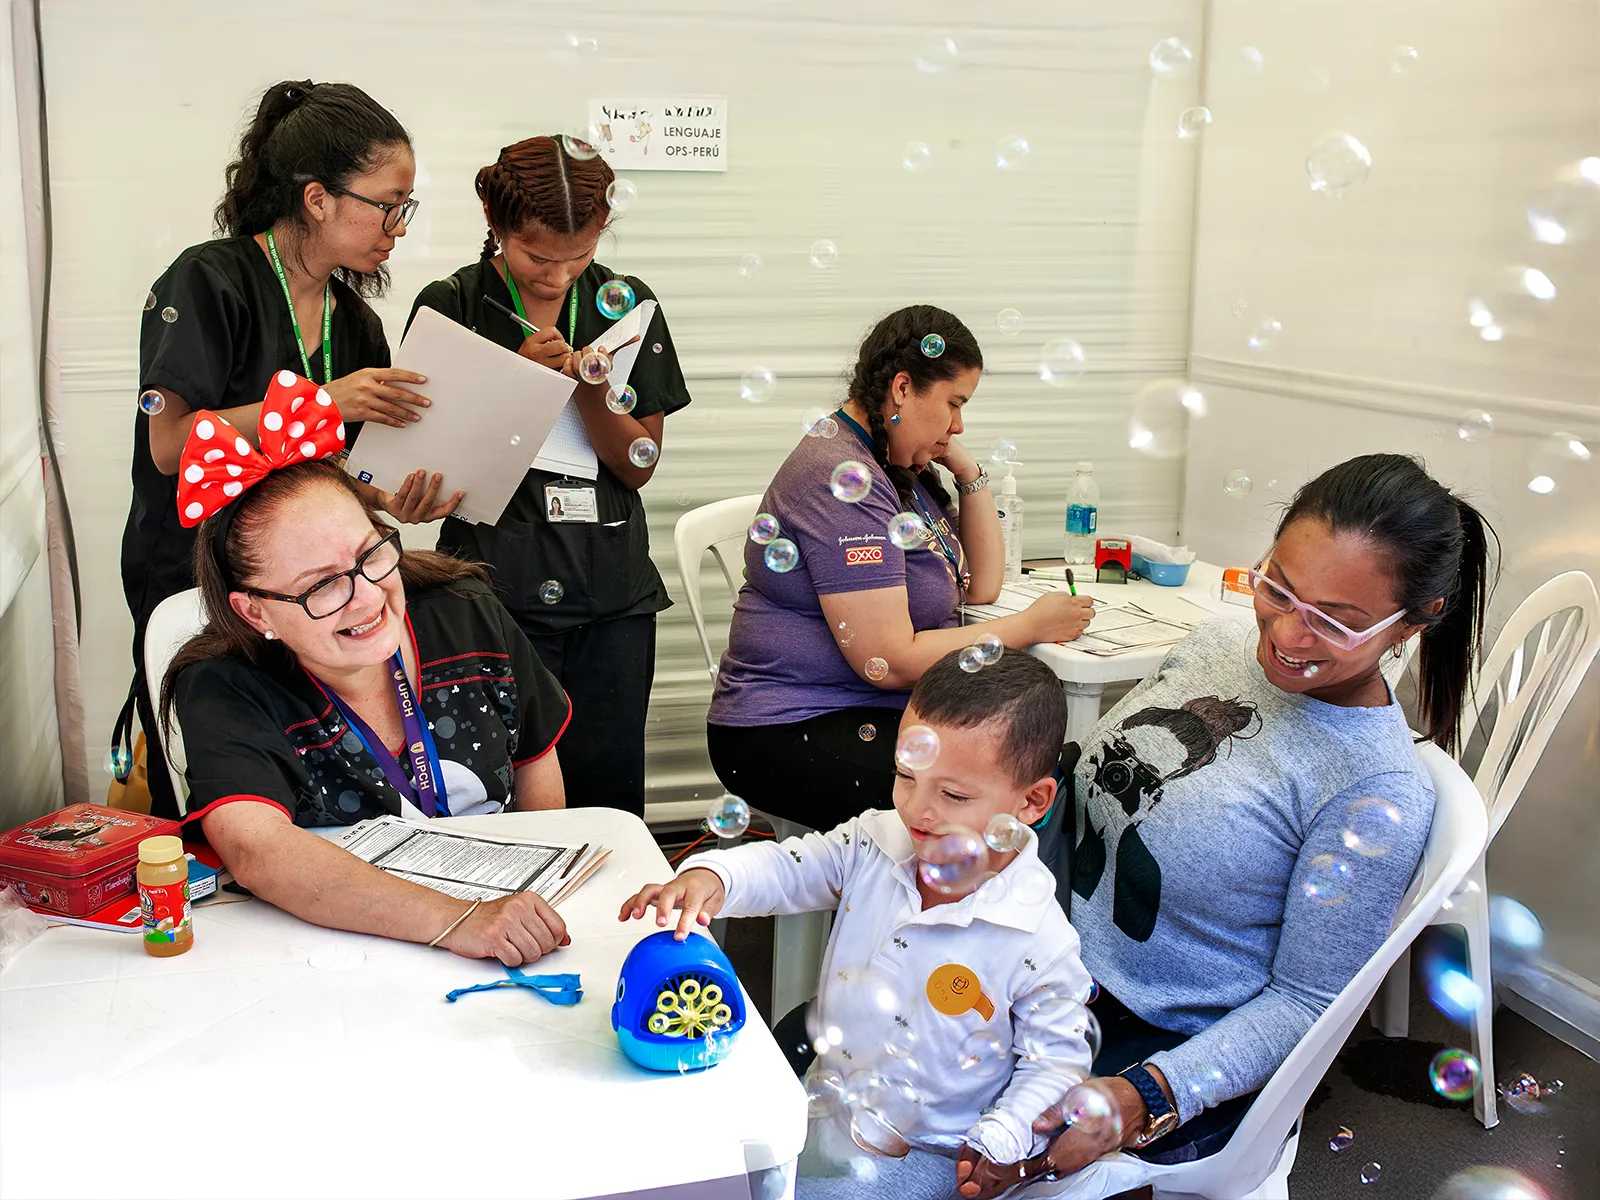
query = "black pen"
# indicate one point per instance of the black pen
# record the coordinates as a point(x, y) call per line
point(578, 857)
point(523, 321)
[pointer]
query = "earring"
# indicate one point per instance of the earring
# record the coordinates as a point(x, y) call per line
point(1399, 650)
point(894, 419)
point(270, 636)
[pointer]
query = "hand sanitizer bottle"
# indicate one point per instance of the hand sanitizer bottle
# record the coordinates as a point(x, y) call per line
point(1010, 510)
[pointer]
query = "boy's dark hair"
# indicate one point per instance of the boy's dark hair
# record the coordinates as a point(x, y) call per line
point(1019, 690)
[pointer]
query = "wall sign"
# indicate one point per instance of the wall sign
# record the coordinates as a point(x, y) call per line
point(662, 135)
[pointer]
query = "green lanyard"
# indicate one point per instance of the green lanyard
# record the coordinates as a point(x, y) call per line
point(572, 307)
point(327, 317)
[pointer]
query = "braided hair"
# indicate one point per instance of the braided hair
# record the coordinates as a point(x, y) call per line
point(535, 182)
point(893, 346)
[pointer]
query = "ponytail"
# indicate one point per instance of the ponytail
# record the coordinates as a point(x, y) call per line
point(1436, 546)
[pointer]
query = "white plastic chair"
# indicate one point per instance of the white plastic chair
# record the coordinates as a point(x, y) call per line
point(722, 527)
point(1255, 1163)
point(175, 620)
point(1521, 691)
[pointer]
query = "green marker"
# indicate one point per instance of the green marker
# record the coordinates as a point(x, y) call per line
point(1071, 586)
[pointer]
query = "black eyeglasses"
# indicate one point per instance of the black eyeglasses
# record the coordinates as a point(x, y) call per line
point(328, 596)
point(393, 214)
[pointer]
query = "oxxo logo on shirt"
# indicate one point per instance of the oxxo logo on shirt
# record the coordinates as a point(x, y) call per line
point(859, 556)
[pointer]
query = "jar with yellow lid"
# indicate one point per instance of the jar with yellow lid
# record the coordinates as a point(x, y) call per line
point(164, 897)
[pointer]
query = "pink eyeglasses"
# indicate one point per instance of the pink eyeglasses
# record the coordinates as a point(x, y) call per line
point(1280, 599)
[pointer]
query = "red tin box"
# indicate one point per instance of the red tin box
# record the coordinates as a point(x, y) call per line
point(78, 859)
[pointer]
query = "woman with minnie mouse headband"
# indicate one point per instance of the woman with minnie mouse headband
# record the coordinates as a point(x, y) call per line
point(341, 677)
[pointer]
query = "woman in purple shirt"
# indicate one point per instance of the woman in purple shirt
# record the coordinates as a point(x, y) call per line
point(821, 657)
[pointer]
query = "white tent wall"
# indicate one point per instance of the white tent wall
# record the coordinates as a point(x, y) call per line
point(1376, 351)
point(1090, 239)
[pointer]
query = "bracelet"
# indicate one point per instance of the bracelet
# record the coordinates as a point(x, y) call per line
point(451, 928)
point(977, 485)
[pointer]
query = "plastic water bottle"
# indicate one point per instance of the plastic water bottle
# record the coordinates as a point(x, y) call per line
point(1083, 515)
point(1010, 510)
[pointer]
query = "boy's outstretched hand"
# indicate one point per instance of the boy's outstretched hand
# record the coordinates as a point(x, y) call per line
point(698, 892)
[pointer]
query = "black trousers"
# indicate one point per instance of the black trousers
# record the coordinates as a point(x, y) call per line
point(819, 772)
point(606, 669)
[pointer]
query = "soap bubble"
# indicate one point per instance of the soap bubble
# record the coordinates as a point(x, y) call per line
point(1541, 485)
point(876, 669)
point(989, 648)
point(1514, 931)
point(757, 385)
point(1264, 334)
point(937, 56)
point(1454, 1074)
point(969, 660)
point(851, 481)
point(782, 556)
point(551, 591)
point(642, 452)
point(620, 195)
point(750, 265)
point(1159, 424)
point(983, 1055)
point(907, 530)
point(954, 863)
point(1568, 210)
point(1008, 321)
point(883, 1111)
point(728, 816)
point(918, 749)
point(1371, 1172)
point(1340, 1139)
point(1253, 61)
point(1236, 483)
point(854, 1005)
point(582, 147)
point(1011, 153)
point(846, 635)
point(614, 298)
point(1488, 1183)
point(1523, 1094)
point(169, 314)
point(1033, 886)
point(933, 345)
point(819, 422)
point(1337, 162)
point(1004, 833)
point(823, 1093)
point(1475, 426)
point(656, 349)
point(763, 529)
point(916, 155)
point(149, 302)
point(1091, 1107)
point(1240, 307)
point(1452, 991)
point(1003, 451)
point(823, 254)
point(1327, 880)
point(621, 399)
point(594, 365)
point(117, 762)
point(1061, 362)
point(1370, 827)
point(1192, 122)
point(867, 732)
point(1170, 57)
point(516, 439)
point(151, 402)
point(1402, 59)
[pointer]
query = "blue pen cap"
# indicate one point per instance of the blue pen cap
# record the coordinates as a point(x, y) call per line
point(679, 1006)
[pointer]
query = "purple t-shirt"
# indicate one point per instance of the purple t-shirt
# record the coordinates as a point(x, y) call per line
point(783, 664)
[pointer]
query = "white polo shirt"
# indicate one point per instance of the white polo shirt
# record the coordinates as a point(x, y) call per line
point(1009, 938)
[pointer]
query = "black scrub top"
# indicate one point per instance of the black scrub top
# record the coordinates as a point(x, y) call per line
point(604, 567)
point(229, 335)
point(272, 735)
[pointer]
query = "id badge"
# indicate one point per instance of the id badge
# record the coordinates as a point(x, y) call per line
point(569, 504)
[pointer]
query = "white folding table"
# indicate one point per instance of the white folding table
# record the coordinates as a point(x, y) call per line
point(277, 1058)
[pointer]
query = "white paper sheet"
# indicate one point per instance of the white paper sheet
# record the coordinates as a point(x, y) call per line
point(467, 866)
point(568, 450)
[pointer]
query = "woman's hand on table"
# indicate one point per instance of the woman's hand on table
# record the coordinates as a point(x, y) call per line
point(697, 892)
point(370, 395)
point(517, 930)
point(1059, 617)
point(958, 460)
point(547, 348)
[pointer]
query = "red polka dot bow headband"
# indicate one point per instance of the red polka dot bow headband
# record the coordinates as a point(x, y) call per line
point(299, 422)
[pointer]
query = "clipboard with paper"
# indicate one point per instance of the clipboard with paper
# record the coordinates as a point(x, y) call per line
point(489, 406)
point(568, 450)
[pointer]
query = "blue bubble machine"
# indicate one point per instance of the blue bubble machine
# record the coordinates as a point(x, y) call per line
point(679, 1006)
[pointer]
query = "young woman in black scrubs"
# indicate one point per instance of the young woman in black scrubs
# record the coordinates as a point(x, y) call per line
point(547, 211)
point(314, 204)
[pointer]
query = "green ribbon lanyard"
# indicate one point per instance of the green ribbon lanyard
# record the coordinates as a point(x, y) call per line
point(327, 317)
point(572, 306)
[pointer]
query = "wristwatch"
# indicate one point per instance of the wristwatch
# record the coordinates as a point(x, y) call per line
point(1162, 1117)
point(977, 485)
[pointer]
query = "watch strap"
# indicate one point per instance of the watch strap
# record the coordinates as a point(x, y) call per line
point(977, 485)
point(1155, 1100)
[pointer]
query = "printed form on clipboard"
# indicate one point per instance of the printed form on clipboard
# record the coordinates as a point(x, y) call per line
point(472, 866)
point(568, 451)
point(1116, 629)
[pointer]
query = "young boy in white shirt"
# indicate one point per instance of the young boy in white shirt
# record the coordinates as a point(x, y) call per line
point(952, 992)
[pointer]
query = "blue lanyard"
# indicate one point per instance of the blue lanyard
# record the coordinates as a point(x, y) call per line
point(558, 989)
point(426, 787)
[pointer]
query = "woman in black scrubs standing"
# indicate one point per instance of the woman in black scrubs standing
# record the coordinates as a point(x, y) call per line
point(314, 204)
point(571, 557)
